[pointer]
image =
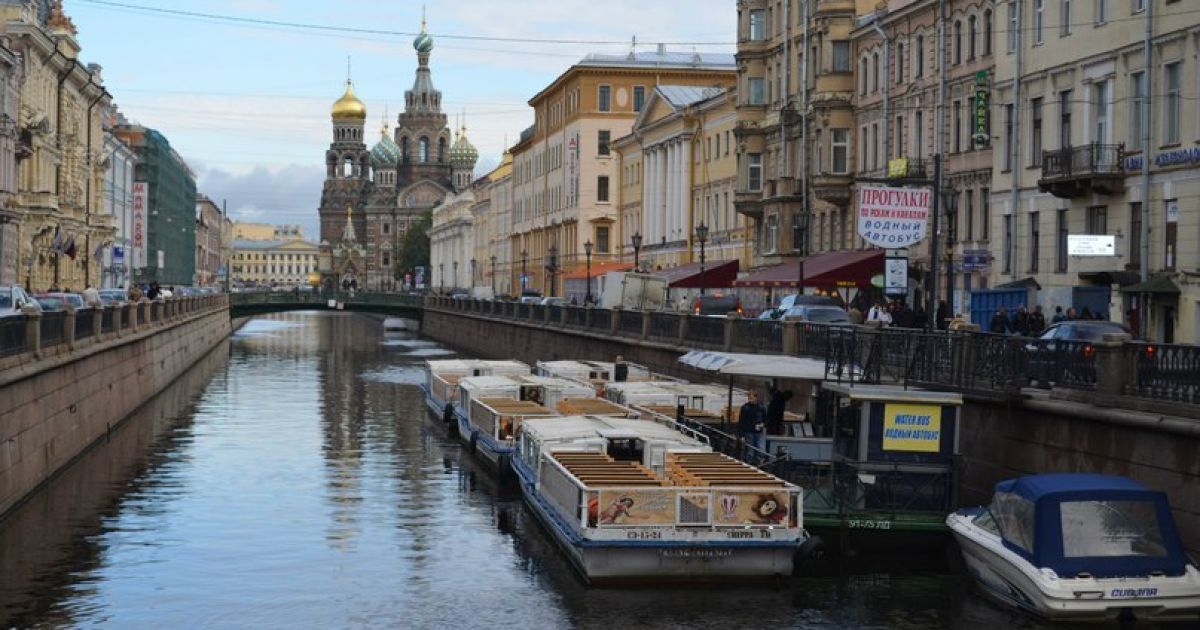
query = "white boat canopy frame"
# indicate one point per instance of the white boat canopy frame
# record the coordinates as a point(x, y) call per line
point(762, 365)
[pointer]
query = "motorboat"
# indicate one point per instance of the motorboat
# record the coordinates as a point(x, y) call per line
point(632, 499)
point(1080, 547)
point(442, 376)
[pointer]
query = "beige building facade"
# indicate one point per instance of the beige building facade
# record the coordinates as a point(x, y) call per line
point(261, 263)
point(565, 172)
point(1079, 111)
point(247, 231)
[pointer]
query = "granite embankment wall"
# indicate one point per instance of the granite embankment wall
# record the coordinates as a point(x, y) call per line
point(56, 401)
point(1000, 438)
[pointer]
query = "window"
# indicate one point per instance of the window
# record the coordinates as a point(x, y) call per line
point(1101, 11)
point(717, 153)
point(758, 26)
point(1173, 106)
point(1135, 235)
point(919, 134)
point(875, 142)
point(985, 208)
point(956, 132)
point(839, 144)
point(387, 228)
point(875, 72)
point(987, 33)
point(1097, 220)
point(602, 239)
point(958, 43)
point(841, 56)
point(754, 171)
point(602, 189)
point(919, 56)
point(1110, 529)
point(1060, 241)
point(1008, 137)
point(423, 149)
point(602, 138)
point(639, 97)
point(387, 259)
point(1100, 111)
point(1065, 18)
point(898, 149)
point(604, 95)
point(862, 74)
point(1139, 6)
point(1039, 20)
point(1064, 119)
point(772, 233)
point(757, 92)
point(969, 196)
point(1137, 110)
point(862, 149)
point(1012, 26)
point(1035, 132)
point(972, 29)
point(1034, 241)
point(726, 143)
point(899, 64)
point(1008, 243)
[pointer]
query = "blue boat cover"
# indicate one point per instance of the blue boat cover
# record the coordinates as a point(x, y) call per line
point(1114, 526)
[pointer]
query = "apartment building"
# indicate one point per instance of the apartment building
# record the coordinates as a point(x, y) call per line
point(1094, 137)
point(565, 173)
point(680, 155)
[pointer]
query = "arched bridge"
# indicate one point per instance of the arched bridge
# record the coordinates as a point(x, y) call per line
point(259, 303)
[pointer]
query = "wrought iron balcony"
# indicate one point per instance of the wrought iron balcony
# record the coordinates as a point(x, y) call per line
point(1075, 171)
point(908, 168)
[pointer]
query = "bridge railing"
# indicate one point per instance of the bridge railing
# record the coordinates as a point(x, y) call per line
point(1115, 372)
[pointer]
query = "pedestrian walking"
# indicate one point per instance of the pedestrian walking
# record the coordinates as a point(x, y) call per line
point(91, 297)
point(999, 323)
point(775, 410)
point(751, 421)
point(879, 313)
point(1058, 315)
point(1020, 322)
point(1037, 321)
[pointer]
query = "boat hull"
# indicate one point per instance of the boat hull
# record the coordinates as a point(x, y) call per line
point(495, 456)
point(1008, 579)
point(638, 560)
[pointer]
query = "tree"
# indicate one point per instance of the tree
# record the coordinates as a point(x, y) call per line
point(414, 250)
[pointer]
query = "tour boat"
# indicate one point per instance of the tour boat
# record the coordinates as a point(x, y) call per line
point(713, 399)
point(442, 376)
point(633, 499)
point(488, 415)
point(1080, 547)
point(599, 373)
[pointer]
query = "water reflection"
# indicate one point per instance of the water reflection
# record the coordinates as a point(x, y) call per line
point(296, 479)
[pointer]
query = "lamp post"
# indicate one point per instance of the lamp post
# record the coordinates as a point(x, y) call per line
point(442, 272)
point(524, 259)
point(493, 277)
point(455, 281)
point(950, 209)
point(636, 239)
point(587, 250)
point(552, 268)
point(702, 236)
point(473, 265)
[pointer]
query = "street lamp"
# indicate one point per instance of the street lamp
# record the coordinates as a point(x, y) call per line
point(473, 264)
point(455, 285)
point(442, 271)
point(493, 277)
point(552, 267)
point(587, 250)
point(524, 259)
point(702, 236)
point(637, 248)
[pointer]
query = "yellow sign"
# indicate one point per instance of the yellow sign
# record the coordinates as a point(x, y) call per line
point(898, 167)
point(912, 428)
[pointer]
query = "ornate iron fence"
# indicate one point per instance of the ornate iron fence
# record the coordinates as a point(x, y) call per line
point(630, 323)
point(52, 331)
point(665, 325)
point(85, 319)
point(1166, 372)
point(12, 335)
point(600, 320)
point(758, 335)
point(706, 330)
point(576, 316)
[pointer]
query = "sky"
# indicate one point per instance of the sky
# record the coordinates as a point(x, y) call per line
point(247, 105)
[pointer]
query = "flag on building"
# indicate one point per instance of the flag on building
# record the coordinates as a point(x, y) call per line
point(69, 249)
point(57, 240)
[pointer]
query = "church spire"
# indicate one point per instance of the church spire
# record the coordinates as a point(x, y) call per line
point(423, 98)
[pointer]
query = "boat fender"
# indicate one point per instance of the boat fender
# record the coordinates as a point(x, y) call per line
point(472, 443)
point(811, 549)
point(448, 413)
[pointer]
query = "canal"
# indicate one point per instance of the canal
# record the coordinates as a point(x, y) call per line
point(293, 478)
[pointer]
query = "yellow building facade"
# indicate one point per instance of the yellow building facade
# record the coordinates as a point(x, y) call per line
point(273, 263)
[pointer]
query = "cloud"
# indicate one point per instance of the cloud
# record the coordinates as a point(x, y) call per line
point(284, 195)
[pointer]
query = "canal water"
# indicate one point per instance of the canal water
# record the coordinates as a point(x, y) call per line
point(293, 478)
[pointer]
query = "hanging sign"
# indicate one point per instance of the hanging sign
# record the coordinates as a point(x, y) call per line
point(982, 96)
point(140, 199)
point(912, 428)
point(893, 217)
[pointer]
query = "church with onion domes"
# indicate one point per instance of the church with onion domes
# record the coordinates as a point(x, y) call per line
point(373, 196)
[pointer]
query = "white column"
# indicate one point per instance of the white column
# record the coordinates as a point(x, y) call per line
point(673, 190)
point(685, 186)
point(649, 163)
point(663, 177)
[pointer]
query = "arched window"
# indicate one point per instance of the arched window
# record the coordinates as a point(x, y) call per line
point(919, 57)
point(441, 149)
point(863, 74)
point(987, 32)
point(899, 63)
point(348, 167)
point(971, 32)
point(875, 73)
point(423, 150)
point(404, 149)
point(958, 41)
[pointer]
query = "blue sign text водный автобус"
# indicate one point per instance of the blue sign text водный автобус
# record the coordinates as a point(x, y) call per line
point(1164, 159)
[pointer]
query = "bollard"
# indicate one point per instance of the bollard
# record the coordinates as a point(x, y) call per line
point(791, 337)
point(69, 326)
point(1112, 370)
point(33, 328)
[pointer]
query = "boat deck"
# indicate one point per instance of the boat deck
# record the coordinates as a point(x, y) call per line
point(600, 470)
point(591, 407)
point(715, 469)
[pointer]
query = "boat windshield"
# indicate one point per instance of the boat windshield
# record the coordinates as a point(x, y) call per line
point(1014, 516)
point(1096, 529)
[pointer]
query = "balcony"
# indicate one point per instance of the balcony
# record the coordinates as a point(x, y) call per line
point(832, 188)
point(748, 202)
point(1076, 171)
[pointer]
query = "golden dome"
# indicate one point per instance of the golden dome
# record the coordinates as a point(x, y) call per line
point(349, 106)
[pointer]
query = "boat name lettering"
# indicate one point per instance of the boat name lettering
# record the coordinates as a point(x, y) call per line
point(1134, 592)
point(695, 553)
point(868, 524)
point(643, 534)
point(740, 534)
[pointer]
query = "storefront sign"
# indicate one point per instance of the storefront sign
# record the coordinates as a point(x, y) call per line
point(898, 167)
point(976, 259)
point(1178, 156)
point(912, 428)
point(982, 98)
point(893, 217)
point(896, 276)
point(140, 201)
point(1091, 245)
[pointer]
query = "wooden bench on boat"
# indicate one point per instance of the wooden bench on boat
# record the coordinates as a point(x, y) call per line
point(591, 407)
point(715, 469)
point(598, 469)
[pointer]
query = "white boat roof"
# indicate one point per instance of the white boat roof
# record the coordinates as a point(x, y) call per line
point(476, 383)
point(555, 382)
point(637, 387)
point(698, 388)
point(582, 428)
point(891, 393)
point(763, 365)
point(507, 365)
point(451, 366)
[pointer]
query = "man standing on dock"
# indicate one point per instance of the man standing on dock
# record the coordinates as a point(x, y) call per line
point(751, 420)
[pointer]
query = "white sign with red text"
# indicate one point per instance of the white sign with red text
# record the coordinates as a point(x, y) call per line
point(893, 217)
point(140, 200)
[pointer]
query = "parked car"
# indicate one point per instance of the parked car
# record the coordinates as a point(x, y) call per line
point(12, 299)
point(113, 296)
point(789, 301)
point(58, 300)
point(716, 305)
point(553, 301)
point(530, 299)
point(817, 314)
point(1065, 351)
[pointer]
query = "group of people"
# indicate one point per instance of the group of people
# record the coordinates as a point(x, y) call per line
point(756, 422)
point(1031, 323)
point(897, 313)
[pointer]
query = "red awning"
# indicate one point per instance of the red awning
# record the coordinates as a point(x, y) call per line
point(718, 274)
point(828, 271)
point(598, 269)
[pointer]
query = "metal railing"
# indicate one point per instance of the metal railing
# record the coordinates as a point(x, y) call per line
point(664, 326)
point(758, 335)
point(600, 320)
point(575, 316)
point(85, 320)
point(53, 328)
point(1083, 161)
point(12, 335)
point(706, 330)
point(630, 323)
point(1166, 372)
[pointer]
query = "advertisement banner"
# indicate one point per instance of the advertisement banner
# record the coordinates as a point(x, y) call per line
point(896, 276)
point(893, 217)
point(751, 508)
point(140, 203)
point(979, 133)
point(912, 428)
point(572, 170)
point(636, 507)
point(1091, 245)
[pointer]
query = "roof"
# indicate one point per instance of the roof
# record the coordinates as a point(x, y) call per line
point(265, 245)
point(893, 393)
point(718, 274)
point(661, 59)
point(1158, 284)
point(759, 365)
point(598, 269)
point(684, 95)
point(1035, 487)
point(835, 269)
